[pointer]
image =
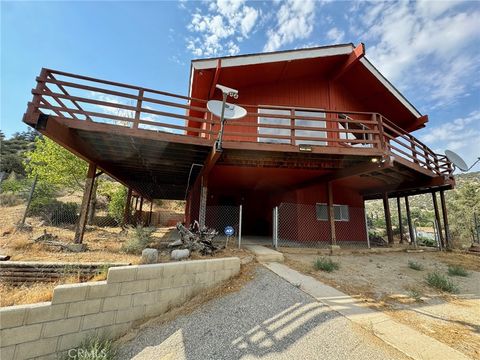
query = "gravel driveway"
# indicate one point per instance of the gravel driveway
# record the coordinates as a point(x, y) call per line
point(269, 319)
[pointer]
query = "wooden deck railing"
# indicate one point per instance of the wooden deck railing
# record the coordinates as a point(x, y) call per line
point(82, 98)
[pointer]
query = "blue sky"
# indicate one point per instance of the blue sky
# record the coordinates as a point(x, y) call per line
point(430, 50)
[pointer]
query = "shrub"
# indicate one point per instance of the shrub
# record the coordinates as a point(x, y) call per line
point(415, 294)
point(17, 187)
point(53, 211)
point(116, 205)
point(9, 199)
point(93, 348)
point(325, 264)
point(425, 241)
point(415, 265)
point(138, 240)
point(440, 282)
point(457, 270)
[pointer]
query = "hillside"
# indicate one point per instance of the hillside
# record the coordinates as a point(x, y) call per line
point(463, 203)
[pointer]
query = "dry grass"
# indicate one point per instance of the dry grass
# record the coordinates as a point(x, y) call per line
point(386, 283)
point(30, 293)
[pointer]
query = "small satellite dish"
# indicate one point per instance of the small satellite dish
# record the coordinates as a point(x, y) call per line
point(232, 111)
point(457, 160)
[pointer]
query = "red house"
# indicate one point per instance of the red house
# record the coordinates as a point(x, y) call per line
point(324, 132)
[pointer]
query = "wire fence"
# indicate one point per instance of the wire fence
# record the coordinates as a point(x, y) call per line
point(302, 225)
point(221, 218)
point(30, 205)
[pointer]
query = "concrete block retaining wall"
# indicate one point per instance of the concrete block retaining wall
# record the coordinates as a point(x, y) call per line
point(109, 308)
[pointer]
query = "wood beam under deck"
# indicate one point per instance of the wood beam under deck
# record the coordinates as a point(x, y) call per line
point(388, 218)
point(422, 186)
point(87, 195)
point(437, 219)
point(410, 223)
point(448, 240)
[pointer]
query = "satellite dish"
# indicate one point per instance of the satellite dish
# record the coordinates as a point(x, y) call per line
point(232, 111)
point(456, 160)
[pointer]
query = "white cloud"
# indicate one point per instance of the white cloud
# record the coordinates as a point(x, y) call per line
point(428, 46)
point(295, 20)
point(218, 31)
point(460, 135)
point(336, 35)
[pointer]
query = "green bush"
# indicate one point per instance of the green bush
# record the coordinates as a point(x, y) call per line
point(53, 211)
point(456, 270)
point(440, 282)
point(116, 205)
point(9, 199)
point(93, 348)
point(425, 241)
point(19, 187)
point(138, 239)
point(415, 265)
point(325, 264)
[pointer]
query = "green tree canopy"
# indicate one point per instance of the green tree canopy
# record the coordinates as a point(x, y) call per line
point(55, 165)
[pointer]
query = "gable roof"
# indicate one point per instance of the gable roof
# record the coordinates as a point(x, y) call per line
point(300, 54)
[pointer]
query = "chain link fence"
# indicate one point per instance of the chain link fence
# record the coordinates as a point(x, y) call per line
point(37, 207)
point(302, 225)
point(220, 217)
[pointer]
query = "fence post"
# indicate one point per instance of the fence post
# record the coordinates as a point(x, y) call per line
point(240, 226)
point(275, 227)
point(30, 196)
point(366, 225)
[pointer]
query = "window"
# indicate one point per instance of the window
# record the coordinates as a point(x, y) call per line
point(311, 123)
point(264, 132)
point(340, 212)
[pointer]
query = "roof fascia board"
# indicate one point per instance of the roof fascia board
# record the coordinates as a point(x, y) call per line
point(273, 57)
point(389, 86)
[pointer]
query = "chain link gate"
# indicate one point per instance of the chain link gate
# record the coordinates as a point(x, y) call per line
point(219, 217)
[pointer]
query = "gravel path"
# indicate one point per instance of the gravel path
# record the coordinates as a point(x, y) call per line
point(269, 319)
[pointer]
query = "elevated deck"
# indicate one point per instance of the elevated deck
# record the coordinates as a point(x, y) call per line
point(157, 142)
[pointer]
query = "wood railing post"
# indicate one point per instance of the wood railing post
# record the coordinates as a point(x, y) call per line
point(414, 152)
point(292, 127)
point(380, 132)
point(138, 111)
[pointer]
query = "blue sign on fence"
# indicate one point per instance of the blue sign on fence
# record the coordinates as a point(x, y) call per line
point(229, 231)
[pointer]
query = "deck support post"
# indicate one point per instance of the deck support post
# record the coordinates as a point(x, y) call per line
point(413, 240)
point(388, 218)
point(400, 224)
point(331, 214)
point(87, 194)
point(437, 220)
point(127, 210)
point(448, 240)
point(150, 213)
point(202, 212)
point(139, 216)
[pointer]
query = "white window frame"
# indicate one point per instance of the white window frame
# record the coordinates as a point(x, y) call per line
point(344, 212)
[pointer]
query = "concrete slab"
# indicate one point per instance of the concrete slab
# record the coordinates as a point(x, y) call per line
point(264, 254)
point(409, 341)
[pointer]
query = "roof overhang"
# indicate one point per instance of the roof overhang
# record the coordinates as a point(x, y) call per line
point(301, 54)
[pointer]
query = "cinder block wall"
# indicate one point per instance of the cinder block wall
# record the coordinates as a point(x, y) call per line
point(109, 308)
